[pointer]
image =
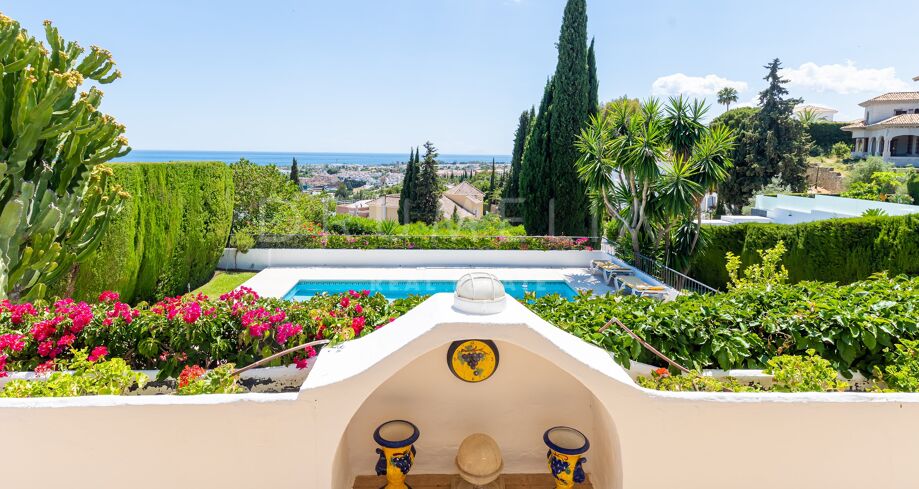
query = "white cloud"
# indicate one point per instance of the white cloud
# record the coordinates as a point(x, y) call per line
point(753, 102)
point(693, 86)
point(844, 79)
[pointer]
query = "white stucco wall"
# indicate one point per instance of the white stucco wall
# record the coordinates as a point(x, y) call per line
point(319, 437)
point(790, 209)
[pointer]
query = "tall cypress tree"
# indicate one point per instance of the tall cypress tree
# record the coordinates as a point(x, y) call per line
point(535, 184)
point(492, 195)
point(593, 93)
point(548, 172)
point(295, 173)
point(427, 190)
point(408, 184)
point(511, 188)
point(570, 109)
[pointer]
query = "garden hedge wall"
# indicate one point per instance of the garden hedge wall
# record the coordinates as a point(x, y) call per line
point(834, 250)
point(167, 239)
point(826, 134)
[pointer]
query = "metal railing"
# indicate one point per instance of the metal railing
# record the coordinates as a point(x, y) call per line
point(670, 276)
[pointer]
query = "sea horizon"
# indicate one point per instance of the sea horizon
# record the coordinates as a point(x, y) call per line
point(303, 158)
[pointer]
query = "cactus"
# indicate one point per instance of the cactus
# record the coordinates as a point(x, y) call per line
point(55, 195)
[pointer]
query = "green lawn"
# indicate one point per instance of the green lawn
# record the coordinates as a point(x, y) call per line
point(223, 282)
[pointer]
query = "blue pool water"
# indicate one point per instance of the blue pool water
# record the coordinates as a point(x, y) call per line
point(398, 289)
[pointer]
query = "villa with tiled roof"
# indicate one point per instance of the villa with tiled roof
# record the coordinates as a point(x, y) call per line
point(890, 128)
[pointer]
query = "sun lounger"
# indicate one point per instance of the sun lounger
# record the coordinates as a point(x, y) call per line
point(638, 286)
point(612, 270)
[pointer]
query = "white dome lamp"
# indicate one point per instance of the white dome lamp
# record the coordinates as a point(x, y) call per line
point(479, 293)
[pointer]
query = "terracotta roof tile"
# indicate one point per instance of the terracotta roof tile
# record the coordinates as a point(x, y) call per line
point(899, 120)
point(893, 97)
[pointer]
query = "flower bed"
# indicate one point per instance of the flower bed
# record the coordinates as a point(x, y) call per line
point(240, 327)
point(382, 241)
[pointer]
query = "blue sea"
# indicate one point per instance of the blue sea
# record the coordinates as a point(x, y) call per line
point(280, 158)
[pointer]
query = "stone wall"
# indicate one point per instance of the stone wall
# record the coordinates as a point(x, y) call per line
point(825, 178)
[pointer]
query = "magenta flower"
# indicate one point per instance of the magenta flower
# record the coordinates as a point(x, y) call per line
point(191, 312)
point(12, 342)
point(357, 324)
point(97, 353)
point(108, 296)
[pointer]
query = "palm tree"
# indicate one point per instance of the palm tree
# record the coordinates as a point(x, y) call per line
point(808, 116)
point(649, 168)
point(727, 96)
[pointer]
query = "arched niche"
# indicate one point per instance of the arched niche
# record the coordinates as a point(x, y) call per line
point(527, 395)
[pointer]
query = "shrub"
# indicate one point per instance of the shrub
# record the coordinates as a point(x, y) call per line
point(167, 239)
point(901, 373)
point(841, 150)
point(238, 328)
point(861, 190)
point(849, 325)
point(194, 380)
point(693, 381)
point(90, 377)
point(810, 373)
point(834, 250)
point(769, 272)
point(430, 242)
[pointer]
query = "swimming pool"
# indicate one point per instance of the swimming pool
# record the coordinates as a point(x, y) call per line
point(398, 289)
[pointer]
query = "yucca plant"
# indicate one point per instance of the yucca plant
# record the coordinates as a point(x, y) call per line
point(55, 194)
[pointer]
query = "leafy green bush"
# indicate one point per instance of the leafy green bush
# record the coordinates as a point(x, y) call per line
point(194, 380)
point(849, 325)
point(861, 190)
point(692, 382)
point(834, 250)
point(901, 372)
point(767, 273)
point(167, 239)
point(841, 150)
point(803, 373)
point(89, 378)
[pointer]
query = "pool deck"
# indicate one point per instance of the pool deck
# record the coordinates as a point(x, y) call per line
point(276, 282)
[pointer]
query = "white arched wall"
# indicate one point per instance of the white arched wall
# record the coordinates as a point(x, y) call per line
point(527, 395)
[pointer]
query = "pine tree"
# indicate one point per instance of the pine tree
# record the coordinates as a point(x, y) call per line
point(535, 185)
point(511, 188)
point(771, 143)
point(786, 142)
point(427, 190)
point(593, 94)
point(408, 185)
point(295, 173)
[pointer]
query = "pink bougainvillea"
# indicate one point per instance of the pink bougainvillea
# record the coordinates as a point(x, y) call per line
point(97, 353)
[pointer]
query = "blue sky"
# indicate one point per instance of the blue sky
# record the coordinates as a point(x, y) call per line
point(381, 76)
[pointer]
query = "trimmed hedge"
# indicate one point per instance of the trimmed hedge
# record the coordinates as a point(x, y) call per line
point(167, 239)
point(826, 134)
point(434, 242)
point(834, 250)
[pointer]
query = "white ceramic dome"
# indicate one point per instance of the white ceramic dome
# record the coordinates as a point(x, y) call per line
point(479, 293)
point(479, 460)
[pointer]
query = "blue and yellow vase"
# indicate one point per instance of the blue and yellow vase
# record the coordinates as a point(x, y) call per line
point(397, 451)
point(566, 447)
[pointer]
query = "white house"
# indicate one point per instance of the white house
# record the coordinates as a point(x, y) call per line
point(821, 112)
point(890, 128)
